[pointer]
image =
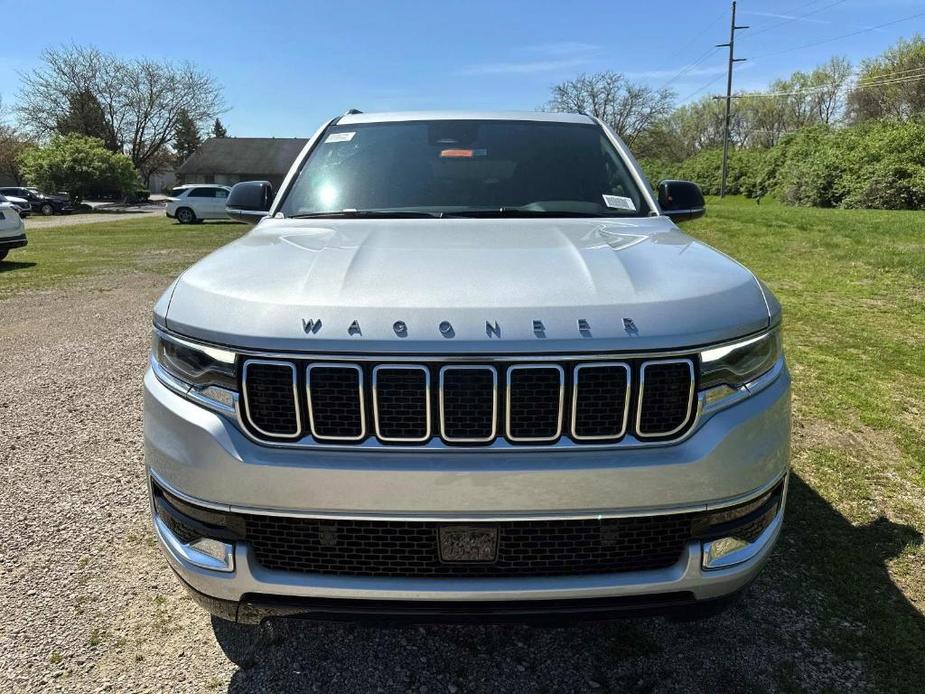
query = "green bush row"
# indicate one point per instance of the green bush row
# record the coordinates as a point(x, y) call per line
point(877, 165)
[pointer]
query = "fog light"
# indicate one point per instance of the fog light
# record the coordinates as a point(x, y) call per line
point(734, 535)
point(725, 551)
point(220, 553)
point(204, 552)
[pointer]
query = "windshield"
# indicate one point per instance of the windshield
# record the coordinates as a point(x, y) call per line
point(477, 168)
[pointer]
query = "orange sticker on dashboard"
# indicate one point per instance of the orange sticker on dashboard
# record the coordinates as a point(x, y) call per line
point(456, 153)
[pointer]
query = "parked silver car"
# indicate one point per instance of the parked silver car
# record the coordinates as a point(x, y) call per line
point(466, 364)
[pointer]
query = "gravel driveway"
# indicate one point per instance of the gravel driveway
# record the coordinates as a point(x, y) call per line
point(89, 605)
point(68, 220)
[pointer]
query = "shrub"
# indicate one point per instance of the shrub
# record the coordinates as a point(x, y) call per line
point(79, 165)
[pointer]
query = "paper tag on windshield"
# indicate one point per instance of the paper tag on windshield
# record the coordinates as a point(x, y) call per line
point(339, 137)
point(619, 202)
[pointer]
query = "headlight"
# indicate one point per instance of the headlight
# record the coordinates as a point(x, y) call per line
point(726, 372)
point(202, 373)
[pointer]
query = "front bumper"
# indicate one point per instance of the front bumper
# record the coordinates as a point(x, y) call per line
point(13, 241)
point(736, 455)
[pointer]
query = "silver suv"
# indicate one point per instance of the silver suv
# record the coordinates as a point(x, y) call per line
point(466, 364)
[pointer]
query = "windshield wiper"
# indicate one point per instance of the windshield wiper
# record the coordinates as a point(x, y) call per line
point(520, 212)
point(365, 214)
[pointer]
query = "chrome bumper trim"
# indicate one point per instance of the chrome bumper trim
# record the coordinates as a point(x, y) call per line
point(466, 518)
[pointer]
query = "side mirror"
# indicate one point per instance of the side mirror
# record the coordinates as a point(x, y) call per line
point(681, 200)
point(250, 201)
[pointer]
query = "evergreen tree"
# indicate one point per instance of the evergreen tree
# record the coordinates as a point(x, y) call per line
point(85, 116)
point(186, 138)
point(218, 129)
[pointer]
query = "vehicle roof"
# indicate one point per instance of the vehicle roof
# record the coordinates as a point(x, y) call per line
point(200, 185)
point(399, 116)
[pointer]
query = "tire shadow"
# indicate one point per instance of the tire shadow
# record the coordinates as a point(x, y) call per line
point(824, 614)
point(11, 265)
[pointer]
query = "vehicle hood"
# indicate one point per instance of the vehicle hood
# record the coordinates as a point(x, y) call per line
point(464, 285)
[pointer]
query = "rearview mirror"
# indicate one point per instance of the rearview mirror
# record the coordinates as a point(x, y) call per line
point(250, 201)
point(681, 200)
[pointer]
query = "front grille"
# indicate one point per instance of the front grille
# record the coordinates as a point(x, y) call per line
point(411, 549)
point(534, 402)
point(468, 403)
point(270, 398)
point(401, 399)
point(601, 400)
point(335, 402)
point(666, 400)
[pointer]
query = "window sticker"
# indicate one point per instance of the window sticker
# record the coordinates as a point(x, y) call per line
point(619, 202)
point(462, 153)
point(339, 137)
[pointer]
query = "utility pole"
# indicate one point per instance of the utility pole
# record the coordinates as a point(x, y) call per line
point(732, 59)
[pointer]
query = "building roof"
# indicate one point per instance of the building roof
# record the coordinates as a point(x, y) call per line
point(244, 155)
point(545, 116)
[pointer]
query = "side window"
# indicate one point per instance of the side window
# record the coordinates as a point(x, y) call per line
point(202, 193)
point(221, 193)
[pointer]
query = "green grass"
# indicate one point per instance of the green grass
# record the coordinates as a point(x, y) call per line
point(852, 285)
point(56, 256)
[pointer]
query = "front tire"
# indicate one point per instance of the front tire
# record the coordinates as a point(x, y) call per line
point(185, 215)
point(47, 209)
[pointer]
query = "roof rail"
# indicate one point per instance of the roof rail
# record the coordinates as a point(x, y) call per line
point(352, 112)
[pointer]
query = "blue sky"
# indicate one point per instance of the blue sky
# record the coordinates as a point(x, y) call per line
point(286, 66)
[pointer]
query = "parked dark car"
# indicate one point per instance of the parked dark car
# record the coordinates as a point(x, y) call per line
point(46, 204)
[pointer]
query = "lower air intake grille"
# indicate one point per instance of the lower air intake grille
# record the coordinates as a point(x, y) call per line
point(402, 402)
point(534, 402)
point(411, 549)
point(270, 398)
point(667, 397)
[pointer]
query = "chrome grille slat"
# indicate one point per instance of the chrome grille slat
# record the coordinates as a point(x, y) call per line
point(399, 408)
point(662, 405)
point(266, 398)
point(610, 384)
point(466, 404)
point(336, 406)
point(525, 425)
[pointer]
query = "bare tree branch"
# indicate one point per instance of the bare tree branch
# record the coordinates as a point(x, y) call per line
point(626, 107)
point(141, 99)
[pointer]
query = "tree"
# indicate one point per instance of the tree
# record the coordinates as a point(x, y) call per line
point(13, 143)
point(218, 129)
point(890, 86)
point(626, 107)
point(186, 138)
point(85, 116)
point(141, 99)
point(79, 165)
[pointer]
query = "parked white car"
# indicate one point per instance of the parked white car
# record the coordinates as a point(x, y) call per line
point(21, 205)
point(12, 230)
point(193, 203)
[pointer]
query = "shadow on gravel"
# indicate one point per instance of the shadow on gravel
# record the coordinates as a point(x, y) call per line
point(9, 266)
point(825, 614)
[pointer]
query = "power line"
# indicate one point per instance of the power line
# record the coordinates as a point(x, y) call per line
point(695, 38)
point(843, 36)
point(701, 88)
point(793, 19)
point(861, 83)
point(687, 68)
